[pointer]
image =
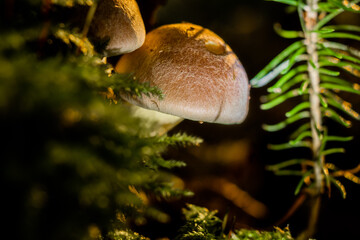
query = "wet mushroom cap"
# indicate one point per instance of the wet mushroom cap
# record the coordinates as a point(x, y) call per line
point(200, 76)
point(119, 24)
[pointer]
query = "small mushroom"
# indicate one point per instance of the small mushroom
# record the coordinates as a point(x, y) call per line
point(200, 76)
point(118, 23)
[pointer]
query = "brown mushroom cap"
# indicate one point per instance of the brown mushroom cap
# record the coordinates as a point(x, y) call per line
point(199, 75)
point(120, 23)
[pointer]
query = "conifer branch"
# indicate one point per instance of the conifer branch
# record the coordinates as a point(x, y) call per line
point(311, 40)
point(313, 68)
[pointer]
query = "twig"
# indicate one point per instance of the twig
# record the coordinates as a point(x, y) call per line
point(298, 202)
point(311, 39)
point(88, 20)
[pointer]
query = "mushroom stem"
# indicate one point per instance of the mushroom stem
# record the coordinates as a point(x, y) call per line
point(160, 122)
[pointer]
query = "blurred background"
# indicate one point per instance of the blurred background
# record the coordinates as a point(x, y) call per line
point(227, 172)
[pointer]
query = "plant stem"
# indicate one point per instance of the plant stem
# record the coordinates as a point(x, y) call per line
point(311, 38)
point(313, 69)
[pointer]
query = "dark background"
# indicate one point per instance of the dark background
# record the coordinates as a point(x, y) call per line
point(238, 154)
point(226, 172)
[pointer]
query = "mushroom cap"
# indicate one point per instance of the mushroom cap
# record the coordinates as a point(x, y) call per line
point(200, 76)
point(120, 23)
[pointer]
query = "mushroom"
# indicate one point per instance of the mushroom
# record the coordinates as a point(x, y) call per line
point(200, 76)
point(119, 24)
